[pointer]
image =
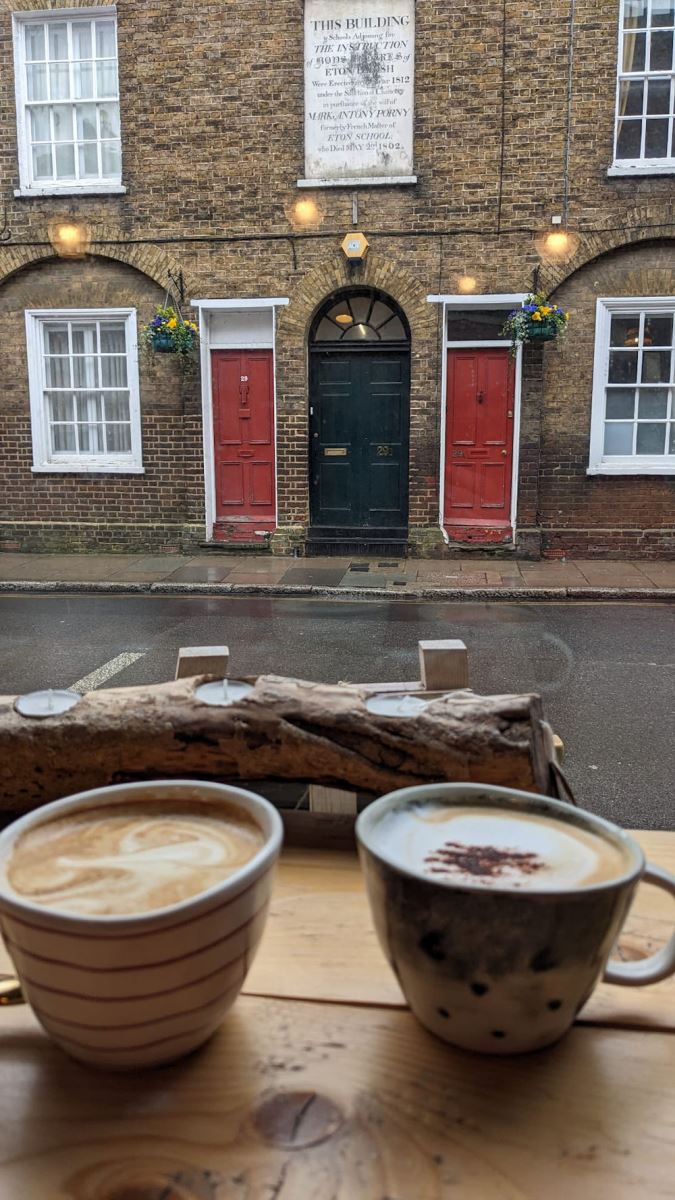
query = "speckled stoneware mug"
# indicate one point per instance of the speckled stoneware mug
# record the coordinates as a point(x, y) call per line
point(490, 958)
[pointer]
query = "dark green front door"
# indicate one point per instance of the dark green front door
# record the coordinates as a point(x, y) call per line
point(359, 428)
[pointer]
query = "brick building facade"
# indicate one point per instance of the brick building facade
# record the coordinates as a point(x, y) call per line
point(515, 110)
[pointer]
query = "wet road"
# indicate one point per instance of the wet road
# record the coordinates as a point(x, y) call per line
point(606, 671)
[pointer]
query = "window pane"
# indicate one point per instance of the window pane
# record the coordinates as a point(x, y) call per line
point(671, 448)
point(653, 402)
point(56, 339)
point(60, 408)
point(119, 439)
point(663, 12)
point(105, 39)
point(82, 44)
point(656, 139)
point(84, 339)
point(619, 438)
point(111, 163)
point(620, 404)
point(35, 43)
point(360, 306)
point(86, 122)
point(113, 339)
point(85, 371)
point(63, 123)
point(380, 313)
point(110, 120)
point(59, 82)
point(629, 141)
point(625, 331)
point(360, 333)
point(328, 332)
point(651, 439)
point(91, 439)
point(631, 97)
point(661, 55)
point(634, 52)
point(65, 162)
point(473, 326)
point(42, 163)
point(392, 331)
point(656, 366)
point(57, 373)
point(63, 439)
point(83, 81)
point(89, 407)
point(36, 82)
point(658, 96)
point(106, 76)
point(88, 160)
point(622, 367)
point(658, 331)
point(114, 371)
point(40, 129)
point(116, 406)
point(634, 13)
point(58, 41)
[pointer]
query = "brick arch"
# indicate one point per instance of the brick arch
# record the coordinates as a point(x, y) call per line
point(152, 261)
point(377, 272)
point(641, 225)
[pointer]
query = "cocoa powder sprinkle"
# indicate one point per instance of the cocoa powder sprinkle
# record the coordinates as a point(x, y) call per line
point(486, 861)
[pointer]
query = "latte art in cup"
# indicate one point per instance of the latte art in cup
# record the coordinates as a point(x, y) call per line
point(131, 858)
point(489, 848)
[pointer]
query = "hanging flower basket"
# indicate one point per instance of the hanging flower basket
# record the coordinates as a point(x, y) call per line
point(536, 321)
point(169, 333)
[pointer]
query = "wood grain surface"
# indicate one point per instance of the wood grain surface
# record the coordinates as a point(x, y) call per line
point(285, 729)
point(302, 1101)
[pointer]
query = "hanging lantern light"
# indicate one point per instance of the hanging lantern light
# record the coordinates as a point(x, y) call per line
point(69, 237)
point(557, 244)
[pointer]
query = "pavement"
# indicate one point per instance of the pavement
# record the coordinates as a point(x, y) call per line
point(477, 577)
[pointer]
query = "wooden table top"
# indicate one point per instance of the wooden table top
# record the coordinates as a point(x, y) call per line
point(320, 1085)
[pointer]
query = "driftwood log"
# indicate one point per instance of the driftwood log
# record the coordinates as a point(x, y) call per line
point(285, 729)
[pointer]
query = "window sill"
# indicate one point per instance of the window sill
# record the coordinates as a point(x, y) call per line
point(365, 181)
point(648, 468)
point(82, 469)
point(89, 189)
point(625, 170)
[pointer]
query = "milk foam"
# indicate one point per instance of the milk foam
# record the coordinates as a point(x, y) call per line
point(494, 848)
point(131, 858)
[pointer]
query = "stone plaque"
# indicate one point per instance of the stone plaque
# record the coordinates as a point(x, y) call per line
point(359, 88)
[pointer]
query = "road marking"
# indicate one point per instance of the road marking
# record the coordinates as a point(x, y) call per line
point(102, 674)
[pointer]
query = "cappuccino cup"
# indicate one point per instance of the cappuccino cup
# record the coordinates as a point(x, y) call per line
point(498, 910)
point(133, 912)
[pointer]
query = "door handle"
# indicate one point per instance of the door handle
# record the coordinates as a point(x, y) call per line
point(504, 452)
point(480, 397)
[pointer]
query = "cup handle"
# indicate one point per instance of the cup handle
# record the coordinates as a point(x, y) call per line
point(657, 966)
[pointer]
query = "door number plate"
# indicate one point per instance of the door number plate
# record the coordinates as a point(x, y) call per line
point(384, 451)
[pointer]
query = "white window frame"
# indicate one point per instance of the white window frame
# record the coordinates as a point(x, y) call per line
point(614, 464)
point(44, 462)
point(70, 187)
point(500, 301)
point(638, 166)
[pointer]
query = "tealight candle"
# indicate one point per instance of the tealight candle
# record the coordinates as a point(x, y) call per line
point(49, 703)
point(223, 692)
point(396, 706)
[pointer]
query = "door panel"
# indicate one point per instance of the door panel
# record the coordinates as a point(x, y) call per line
point(359, 439)
point(243, 426)
point(479, 445)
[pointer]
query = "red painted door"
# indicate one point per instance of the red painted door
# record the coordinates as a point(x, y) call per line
point(479, 445)
point(243, 426)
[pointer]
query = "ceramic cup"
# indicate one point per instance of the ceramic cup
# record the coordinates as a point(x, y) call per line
point(135, 991)
point(497, 970)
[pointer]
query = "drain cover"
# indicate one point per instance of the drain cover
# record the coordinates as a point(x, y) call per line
point(359, 566)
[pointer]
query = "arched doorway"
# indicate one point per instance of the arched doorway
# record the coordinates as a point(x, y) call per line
point(359, 422)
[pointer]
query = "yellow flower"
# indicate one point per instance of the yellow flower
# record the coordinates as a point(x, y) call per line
point(536, 316)
point(545, 310)
point(172, 323)
point(567, 316)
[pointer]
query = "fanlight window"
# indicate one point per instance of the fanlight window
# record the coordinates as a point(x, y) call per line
point(364, 318)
